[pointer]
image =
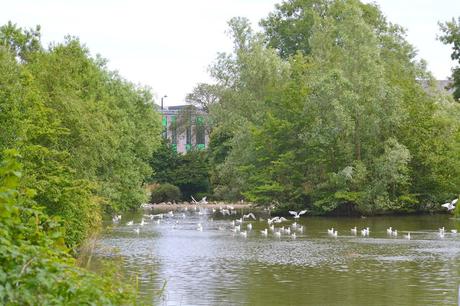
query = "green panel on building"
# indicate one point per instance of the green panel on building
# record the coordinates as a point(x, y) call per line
point(200, 146)
point(164, 121)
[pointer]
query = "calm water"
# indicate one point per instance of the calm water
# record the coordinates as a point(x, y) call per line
point(220, 267)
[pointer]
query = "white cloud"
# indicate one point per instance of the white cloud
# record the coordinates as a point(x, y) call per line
point(168, 45)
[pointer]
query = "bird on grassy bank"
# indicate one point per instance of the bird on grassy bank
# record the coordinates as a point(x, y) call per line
point(330, 231)
point(365, 232)
point(297, 214)
point(407, 236)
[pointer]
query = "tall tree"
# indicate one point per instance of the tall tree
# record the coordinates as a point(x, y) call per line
point(451, 36)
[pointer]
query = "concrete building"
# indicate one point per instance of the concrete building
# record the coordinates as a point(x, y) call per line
point(186, 127)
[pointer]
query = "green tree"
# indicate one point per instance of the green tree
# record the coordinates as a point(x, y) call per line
point(451, 36)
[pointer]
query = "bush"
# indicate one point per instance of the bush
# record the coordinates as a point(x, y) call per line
point(35, 265)
point(165, 192)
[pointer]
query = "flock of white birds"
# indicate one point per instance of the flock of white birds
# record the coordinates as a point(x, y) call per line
point(242, 226)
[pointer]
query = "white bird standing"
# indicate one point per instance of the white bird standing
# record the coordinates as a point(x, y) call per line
point(395, 233)
point(264, 232)
point(293, 236)
point(330, 231)
point(297, 214)
point(249, 227)
point(390, 230)
point(407, 236)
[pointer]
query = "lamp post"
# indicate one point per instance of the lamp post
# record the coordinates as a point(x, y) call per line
point(165, 96)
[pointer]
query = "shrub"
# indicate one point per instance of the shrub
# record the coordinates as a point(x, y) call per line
point(35, 265)
point(165, 192)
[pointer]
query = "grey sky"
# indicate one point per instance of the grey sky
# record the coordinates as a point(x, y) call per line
point(168, 45)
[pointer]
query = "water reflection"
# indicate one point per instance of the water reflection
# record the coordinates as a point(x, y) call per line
point(220, 267)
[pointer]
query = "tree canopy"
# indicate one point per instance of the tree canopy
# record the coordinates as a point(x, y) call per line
point(329, 109)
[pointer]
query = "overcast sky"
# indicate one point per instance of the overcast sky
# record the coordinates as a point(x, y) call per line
point(169, 44)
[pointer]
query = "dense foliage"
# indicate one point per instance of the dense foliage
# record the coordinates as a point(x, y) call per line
point(35, 265)
point(85, 134)
point(451, 36)
point(189, 172)
point(329, 109)
point(165, 193)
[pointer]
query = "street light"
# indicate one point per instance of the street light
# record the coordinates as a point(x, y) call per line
point(165, 96)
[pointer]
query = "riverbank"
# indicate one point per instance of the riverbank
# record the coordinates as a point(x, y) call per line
point(188, 205)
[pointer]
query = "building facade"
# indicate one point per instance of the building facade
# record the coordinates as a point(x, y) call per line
point(186, 127)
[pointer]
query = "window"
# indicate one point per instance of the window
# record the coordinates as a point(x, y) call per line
point(200, 133)
point(164, 124)
point(173, 127)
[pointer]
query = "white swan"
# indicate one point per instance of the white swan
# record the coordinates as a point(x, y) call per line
point(407, 236)
point(293, 236)
point(130, 223)
point(249, 227)
point(453, 231)
point(330, 231)
point(365, 231)
point(264, 232)
point(354, 230)
point(390, 230)
point(395, 233)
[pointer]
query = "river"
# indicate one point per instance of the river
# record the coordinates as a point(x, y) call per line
point(217, 266)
